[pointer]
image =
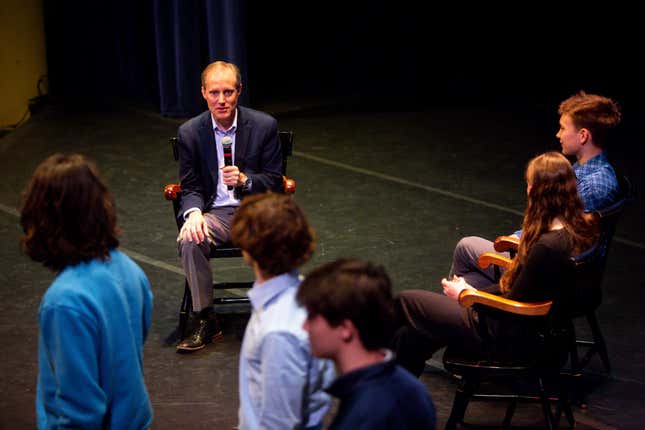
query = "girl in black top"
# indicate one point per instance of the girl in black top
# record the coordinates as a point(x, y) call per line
point(554, 229)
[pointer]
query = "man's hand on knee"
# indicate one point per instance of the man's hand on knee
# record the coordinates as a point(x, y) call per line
point(194, 229)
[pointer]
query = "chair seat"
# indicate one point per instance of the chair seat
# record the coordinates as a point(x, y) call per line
point(525, 381)
point(225, 250)
point(473, 364)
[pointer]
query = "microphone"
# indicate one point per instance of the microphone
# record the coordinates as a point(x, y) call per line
point(227, 144)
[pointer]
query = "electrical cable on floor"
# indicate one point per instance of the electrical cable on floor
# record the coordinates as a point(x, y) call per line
point(33, 104)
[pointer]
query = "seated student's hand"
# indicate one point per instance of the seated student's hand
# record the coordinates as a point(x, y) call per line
point(194, 229)
point(454, 286)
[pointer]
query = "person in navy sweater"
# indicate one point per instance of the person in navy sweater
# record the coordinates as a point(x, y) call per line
point(349, 320)
point(95, 316)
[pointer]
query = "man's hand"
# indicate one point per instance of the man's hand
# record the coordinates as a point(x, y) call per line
point(231, 175)
point(453, 287)
point(194, 229)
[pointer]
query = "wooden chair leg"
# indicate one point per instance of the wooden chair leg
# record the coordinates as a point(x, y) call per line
point(564, 402)
point(184, 311)
point(464, 391)
point(574, 357)
point(546, 406)
point(185, 308)
point(568, 413)
point(599, 341)
point(510, 411)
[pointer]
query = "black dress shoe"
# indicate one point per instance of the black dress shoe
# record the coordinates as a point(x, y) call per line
point(206, 330)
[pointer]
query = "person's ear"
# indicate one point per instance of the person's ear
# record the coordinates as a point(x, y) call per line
point(347, 331)
point(247, 258)
point(585, 135)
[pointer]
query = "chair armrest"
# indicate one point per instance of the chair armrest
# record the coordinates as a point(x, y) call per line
point(469, 297)
point(488, 258)
point(170, 191)
point(288, 185)
point(506, 243)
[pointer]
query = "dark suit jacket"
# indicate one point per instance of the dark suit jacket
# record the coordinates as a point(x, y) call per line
point(257, 154)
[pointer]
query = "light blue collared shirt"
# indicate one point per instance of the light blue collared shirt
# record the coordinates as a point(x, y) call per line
point(224, 197)
point(281, 384)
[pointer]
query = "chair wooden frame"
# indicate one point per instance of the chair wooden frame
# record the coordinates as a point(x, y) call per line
point(608, 219)
point(471, 370)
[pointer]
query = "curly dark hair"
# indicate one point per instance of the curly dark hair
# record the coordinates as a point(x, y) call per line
point(67, 213)
point(355, 290)
point(274, 231)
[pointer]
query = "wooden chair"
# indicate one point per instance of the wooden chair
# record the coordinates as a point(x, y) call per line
point(537, 361)
point(608, 219)
point(172, 192)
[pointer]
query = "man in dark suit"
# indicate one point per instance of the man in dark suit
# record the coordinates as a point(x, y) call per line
point(211, 190)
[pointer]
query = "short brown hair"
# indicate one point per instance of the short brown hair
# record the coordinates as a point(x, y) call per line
point(67, 213)
point(274, 231)
point(355, 290)
point(598, 114)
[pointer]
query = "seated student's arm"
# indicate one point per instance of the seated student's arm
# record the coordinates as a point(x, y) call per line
point(598, 190)
point(76, 399)
point(285, 364)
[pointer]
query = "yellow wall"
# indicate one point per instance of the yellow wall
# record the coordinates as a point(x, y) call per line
point(22, 57)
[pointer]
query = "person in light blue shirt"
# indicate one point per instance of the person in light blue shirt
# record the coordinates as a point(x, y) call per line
point(585, 123)
point(95, 316)
point(281, 383)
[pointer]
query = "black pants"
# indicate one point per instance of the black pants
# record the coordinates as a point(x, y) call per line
point(427, 322)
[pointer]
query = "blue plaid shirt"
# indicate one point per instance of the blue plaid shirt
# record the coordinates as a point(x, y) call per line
point(597, 183)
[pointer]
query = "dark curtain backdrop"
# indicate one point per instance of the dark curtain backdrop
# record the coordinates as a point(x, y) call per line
point(188, 36)
point(384, 55)
point(149, 51)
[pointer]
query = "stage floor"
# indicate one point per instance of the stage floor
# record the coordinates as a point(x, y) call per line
point(398, 188)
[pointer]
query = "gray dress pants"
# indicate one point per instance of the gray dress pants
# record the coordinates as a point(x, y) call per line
point(464, 261)
point(195, 257)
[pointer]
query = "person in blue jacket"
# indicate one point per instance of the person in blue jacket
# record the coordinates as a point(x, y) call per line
point(95, 316)
point(350, 313)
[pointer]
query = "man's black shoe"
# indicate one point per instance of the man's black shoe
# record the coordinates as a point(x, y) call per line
point(205, 331)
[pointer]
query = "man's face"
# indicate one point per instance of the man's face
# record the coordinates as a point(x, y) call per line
point(570, 137)
point(221, 94)
point(325, 340)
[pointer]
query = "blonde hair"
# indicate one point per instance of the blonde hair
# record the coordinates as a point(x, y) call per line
point(223, 65)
